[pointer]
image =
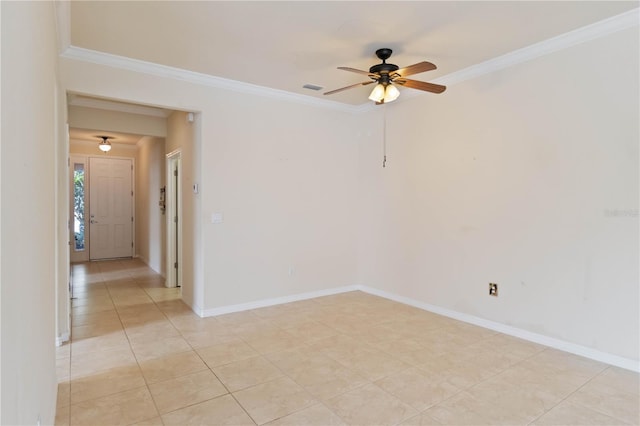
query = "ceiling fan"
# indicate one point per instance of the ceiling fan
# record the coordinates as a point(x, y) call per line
point(388, 75)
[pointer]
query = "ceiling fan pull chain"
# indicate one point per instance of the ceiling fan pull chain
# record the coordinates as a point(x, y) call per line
point(384, 136)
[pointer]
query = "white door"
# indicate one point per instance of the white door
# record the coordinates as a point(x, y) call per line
point(174, 221)
point(110, 205)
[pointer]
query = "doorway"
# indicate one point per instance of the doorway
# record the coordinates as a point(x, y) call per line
point(174, 220)
point(101, 224)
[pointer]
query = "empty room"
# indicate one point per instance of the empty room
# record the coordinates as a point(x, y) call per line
point(320, 213)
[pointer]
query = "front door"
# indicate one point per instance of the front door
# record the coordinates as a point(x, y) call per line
point(110, 204)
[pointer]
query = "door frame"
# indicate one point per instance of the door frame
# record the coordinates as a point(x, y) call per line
point(87, 203)
point(132, 177)
point(174, 228)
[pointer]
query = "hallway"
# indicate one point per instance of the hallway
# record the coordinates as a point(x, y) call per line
point(139, 355)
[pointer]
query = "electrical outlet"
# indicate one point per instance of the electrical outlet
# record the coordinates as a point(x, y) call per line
point(493, 289)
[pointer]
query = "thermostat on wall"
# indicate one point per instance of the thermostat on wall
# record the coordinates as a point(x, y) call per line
point(217, 218)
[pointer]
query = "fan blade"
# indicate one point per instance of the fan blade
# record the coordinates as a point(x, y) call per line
point(355, 70)
point(416, 68)
point(364, 83)
point(421, 85)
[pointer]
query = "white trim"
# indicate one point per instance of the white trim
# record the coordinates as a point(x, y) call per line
point(121, 62)
point(554, 44)
point(64, 337)
point(589, 32)
point(146, 262)
point(196, 309)
point(63, 24)
point(275, 301)
point(76, 256)
point(607, 358)
point(173, 208)
point(173, 153)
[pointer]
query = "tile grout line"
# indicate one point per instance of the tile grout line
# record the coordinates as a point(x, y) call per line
point(574, 392)
point(278, 322)
point(102, 282)
point(194, 350)
point(136, 357)
point(105, 282)
point(485, 379)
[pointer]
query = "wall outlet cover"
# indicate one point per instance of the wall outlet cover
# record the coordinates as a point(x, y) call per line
point(493, 289)
point(217, 218)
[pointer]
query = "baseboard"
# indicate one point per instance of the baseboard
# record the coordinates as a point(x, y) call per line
point(195, 308)
point(275, 301)
point(64, 337)
point(607, 358)
point(146, 262)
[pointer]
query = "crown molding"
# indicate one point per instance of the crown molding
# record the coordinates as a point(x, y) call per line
point(590, 32)
point(121, 62)
point(593, 31)
point(598, 29)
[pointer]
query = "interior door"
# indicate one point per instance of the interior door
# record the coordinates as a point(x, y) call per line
point(177, 220)
point(111, 208)
point(174, 221)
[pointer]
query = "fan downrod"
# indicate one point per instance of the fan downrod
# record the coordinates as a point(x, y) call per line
point(383, 69)
point(384, 53)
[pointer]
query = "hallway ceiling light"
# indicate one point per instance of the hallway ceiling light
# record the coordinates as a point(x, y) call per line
point(105, 145)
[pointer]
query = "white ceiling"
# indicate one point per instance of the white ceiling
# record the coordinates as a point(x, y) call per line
point(284, 45)
point(93, 136)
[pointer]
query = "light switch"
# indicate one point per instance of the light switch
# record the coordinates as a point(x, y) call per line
point(217, 218)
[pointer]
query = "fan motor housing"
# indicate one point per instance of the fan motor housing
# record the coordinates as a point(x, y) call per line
point(383, 68)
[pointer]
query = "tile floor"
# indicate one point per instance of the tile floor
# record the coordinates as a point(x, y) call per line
point(140, 356)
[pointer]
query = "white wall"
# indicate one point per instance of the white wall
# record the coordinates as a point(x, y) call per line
point(63, 237)
point(181, 135)
point(282, 174)
point(29, 384)
point(115, 121)
point(511, 178)
point(284, 177)
point(150, 222)
point(90, 149)
point(508, 178)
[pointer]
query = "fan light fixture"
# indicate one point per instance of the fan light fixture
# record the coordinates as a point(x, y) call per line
point(388, 76)
point(105, 145)
point(385, 94)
